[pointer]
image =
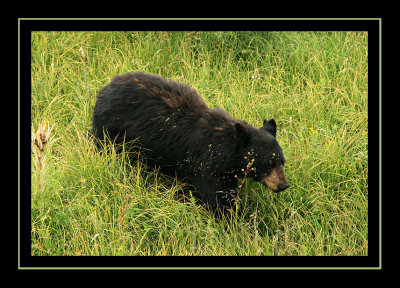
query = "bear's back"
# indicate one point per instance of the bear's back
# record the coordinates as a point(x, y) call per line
point(139, 88)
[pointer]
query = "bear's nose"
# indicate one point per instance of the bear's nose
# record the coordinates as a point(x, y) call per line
point(282, 186)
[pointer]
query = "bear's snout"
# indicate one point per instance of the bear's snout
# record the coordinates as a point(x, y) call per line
point(276, 180)
point(282, 186)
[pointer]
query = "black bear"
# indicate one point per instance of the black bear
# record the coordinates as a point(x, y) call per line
point(183, 137)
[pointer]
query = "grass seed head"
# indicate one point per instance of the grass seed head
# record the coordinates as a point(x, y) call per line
point(42, 136)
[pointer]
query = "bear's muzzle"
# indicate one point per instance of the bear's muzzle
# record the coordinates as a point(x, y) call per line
point(276, 180)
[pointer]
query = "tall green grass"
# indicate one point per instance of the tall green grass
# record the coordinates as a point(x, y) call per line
point(86, 202)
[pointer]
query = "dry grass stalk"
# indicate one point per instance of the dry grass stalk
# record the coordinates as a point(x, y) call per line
point(40, 140)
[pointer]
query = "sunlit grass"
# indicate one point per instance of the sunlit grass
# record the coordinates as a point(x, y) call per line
point(314, 84)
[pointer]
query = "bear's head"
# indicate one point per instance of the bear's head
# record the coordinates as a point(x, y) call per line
point(260, 150)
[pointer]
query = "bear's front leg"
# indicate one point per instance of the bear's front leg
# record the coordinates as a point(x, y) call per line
point(219, 199)
point(226, 200)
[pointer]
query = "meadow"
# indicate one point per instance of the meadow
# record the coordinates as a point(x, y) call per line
point(314, 84)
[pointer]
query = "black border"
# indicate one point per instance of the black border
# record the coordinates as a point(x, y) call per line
point(198, 24)
point(373, 260)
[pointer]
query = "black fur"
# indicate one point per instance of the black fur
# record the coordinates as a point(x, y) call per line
point(181, 135)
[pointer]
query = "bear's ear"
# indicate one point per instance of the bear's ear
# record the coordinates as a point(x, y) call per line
point(270, 126)
point(242, 135)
